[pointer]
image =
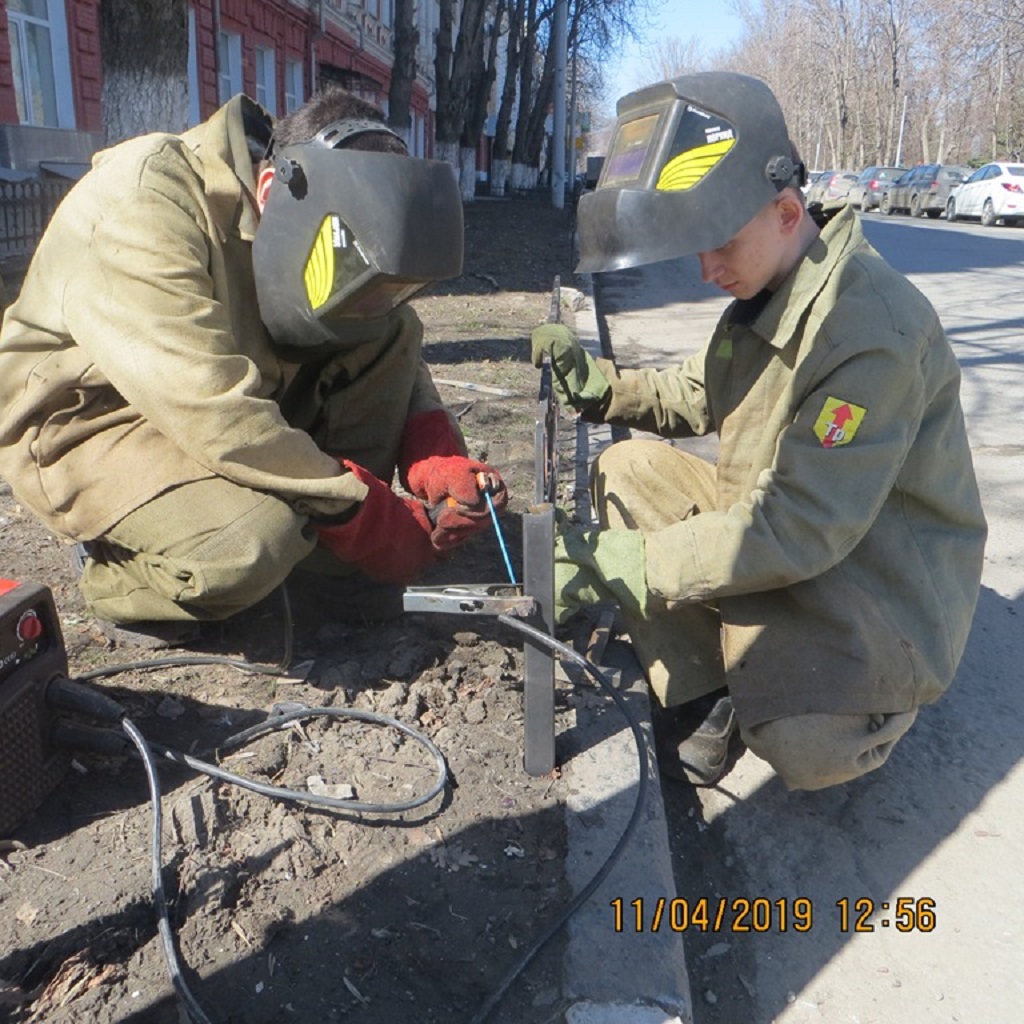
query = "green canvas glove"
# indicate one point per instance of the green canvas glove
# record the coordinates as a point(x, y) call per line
point(599, 565)
point(577, 380)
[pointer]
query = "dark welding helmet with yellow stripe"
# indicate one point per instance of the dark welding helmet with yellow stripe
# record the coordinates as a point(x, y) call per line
point(346, 236)
point(690, 162)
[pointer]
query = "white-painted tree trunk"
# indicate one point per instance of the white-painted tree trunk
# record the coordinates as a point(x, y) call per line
point(499, 176)
point(467, 174)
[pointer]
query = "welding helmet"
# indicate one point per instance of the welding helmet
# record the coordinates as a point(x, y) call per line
point(690, 162)
point(347, 235)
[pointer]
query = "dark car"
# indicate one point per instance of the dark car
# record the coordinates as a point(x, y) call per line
point(924, 189)
point(866, 193)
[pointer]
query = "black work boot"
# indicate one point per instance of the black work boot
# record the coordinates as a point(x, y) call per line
point(692, 739)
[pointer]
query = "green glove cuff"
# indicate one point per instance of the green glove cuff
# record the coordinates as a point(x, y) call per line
point(600, 565)
point(576, 377)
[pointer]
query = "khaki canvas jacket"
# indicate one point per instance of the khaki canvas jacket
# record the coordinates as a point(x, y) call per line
point(845, 552)
point(134, 358)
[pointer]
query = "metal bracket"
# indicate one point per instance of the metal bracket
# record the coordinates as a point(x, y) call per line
point(474, 599)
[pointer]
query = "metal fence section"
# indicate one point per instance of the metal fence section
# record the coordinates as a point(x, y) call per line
point(25, 209)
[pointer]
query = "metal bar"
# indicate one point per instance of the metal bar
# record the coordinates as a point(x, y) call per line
point(539, 666)
point(539, 573)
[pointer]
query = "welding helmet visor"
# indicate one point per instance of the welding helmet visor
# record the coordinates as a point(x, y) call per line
point(345, 237)
point(690, 162)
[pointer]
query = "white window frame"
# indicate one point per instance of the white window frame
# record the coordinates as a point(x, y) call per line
point(294, 75)
point(56, 24)
point(229, 65)
point(266, 78)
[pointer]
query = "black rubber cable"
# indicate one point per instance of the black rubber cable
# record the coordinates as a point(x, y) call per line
point(173, 661)
point(163, 919)
point(278, 721)
point(591, 887)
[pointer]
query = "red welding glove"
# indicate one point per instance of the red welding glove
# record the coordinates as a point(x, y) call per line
point(432, 464)
point(388, 538)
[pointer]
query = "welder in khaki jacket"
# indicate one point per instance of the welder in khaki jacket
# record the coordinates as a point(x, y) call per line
point(815, 586)
point(210, 371)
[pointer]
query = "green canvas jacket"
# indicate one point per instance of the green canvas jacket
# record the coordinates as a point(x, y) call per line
point(845, 552)
point(135, 359)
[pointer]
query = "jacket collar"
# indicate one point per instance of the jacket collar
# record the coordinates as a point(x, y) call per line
point(781, 317)
point(220, 144)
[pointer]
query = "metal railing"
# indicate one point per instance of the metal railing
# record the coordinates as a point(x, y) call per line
point(25, 209)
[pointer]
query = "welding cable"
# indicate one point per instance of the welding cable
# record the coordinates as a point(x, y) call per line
point(176, 660)
point(163, 918)
point(276, 722)
point(72, 695)
point(645, 769)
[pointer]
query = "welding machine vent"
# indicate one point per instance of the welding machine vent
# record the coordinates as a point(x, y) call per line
point(31, 655)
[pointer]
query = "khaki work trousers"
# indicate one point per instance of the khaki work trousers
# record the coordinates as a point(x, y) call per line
point(648, 485)
point(207, 549)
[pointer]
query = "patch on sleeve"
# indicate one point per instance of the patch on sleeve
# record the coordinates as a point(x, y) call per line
point(838, 422)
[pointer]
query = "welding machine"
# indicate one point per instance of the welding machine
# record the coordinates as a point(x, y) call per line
point(32, 655)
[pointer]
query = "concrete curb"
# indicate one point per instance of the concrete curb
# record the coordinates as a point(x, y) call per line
point(624, 975)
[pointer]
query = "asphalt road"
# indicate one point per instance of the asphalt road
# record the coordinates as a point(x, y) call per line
point(941, 826)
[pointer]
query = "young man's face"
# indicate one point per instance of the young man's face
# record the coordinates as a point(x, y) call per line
point(757, 256)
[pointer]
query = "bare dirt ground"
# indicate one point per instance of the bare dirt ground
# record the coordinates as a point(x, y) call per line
point(282, 912)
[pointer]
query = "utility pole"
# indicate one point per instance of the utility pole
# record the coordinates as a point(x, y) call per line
point(558, 121)
point(903, 123)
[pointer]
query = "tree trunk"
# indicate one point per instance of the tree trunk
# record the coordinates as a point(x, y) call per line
point(454, 68)
point(513, 55)
point(144, 44)
point(467, 173)
point(403, 73)
point(480, 85)
point(443, 149)
point(519, 147)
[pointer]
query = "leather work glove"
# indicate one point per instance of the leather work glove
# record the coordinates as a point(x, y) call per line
point(599, 565)
point(576, 377)
point(388, 538)
point(432, 465)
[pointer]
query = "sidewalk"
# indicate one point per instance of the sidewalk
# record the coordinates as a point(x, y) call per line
point(940, 827)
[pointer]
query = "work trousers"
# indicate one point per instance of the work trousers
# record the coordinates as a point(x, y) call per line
point(648, 485)
point(207, 549)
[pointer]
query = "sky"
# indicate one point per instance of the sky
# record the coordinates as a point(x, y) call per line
point(711, 21)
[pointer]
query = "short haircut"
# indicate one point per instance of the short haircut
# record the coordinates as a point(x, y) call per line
point(331, 104)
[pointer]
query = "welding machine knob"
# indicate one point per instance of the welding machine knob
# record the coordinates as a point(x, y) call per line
point(29, 627)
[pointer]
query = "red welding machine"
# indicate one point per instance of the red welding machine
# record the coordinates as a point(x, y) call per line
point(32, 655)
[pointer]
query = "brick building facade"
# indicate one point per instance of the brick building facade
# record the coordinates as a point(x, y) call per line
point(277, 51)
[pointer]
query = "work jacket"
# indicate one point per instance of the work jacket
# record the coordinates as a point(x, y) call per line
point(135, 359)
point(845, 551)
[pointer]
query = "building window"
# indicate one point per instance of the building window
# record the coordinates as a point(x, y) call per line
point(266, 83)
point(40, 63)
point(229, 56)
point(292, 85)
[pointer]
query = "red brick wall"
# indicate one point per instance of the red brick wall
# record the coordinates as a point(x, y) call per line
point(86, 63)
point(285, 26)
point(8, 103)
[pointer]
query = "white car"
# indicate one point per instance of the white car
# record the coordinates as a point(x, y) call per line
point(993, 192)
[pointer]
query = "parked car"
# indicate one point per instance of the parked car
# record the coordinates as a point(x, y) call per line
point(993, 192)
point(831, 187)
point(867, 190)
point(923, 189)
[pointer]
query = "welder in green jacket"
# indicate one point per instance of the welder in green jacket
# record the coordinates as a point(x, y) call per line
point(816, 585)
point(210, 370)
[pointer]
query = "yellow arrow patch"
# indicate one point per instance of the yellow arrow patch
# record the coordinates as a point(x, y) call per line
point(837, 425)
